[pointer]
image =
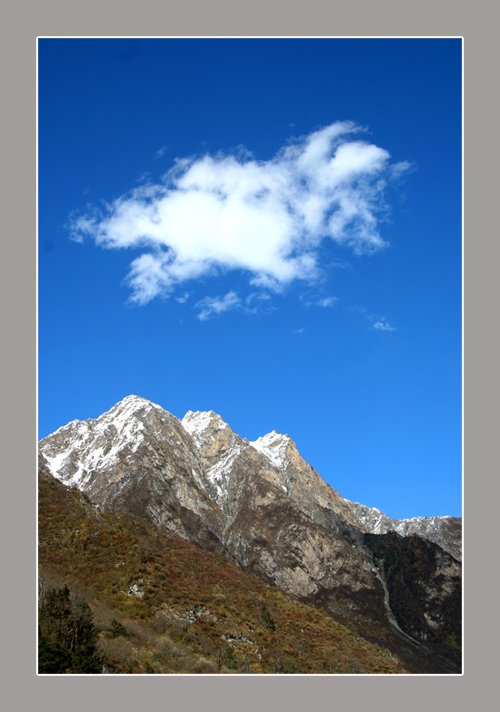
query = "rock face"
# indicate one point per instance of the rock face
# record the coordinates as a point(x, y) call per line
point(258, 503)
point(424, 589)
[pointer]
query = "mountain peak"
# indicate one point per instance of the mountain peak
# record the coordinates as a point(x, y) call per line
point(133, 402)
point(202, 423)
point(274, 447)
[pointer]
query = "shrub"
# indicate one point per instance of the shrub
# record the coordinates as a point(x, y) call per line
point(267, 619)
point(117, 629)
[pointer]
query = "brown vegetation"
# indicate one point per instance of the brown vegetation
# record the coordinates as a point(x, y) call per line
point(161, 605)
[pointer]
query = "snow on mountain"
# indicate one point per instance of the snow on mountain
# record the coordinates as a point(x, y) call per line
point(219, 447)
point(211, 434)
point(274, 447)
point(444, 531)
point(201, 424)
point(76, 450)
point(370, 519)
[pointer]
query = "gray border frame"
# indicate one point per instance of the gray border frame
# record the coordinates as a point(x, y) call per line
point(23, 24)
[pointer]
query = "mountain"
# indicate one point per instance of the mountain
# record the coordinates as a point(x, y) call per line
point(266, 510)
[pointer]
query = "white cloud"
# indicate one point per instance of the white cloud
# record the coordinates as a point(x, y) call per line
point(183, 298)
point(213, 306)
point(231, 212)
point(314, 300)
point(159, 153)
point(256, 302)
point(327, 301)
point(378, 322)
point(383, 325)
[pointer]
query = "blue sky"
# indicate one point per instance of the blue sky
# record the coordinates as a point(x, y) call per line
point(266, 228)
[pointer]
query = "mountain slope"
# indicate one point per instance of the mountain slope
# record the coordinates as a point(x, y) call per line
point(161, 605)
point(259, 504)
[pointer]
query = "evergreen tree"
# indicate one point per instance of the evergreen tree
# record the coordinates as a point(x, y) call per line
point(67, 635)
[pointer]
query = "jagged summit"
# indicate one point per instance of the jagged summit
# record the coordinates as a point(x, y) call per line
point(210, 433)
point(125, 408)
point(275, 446)
point(199, 422)
point(132, 398)
point(138, 401)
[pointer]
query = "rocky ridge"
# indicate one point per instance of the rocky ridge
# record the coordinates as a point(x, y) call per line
point(444, 531)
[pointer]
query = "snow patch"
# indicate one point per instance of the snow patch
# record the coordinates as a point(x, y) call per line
point(223, 468)
point(56, 462)
point(200, 421)
point(273, 446)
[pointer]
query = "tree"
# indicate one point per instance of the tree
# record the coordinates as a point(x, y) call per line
point(67, 634)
